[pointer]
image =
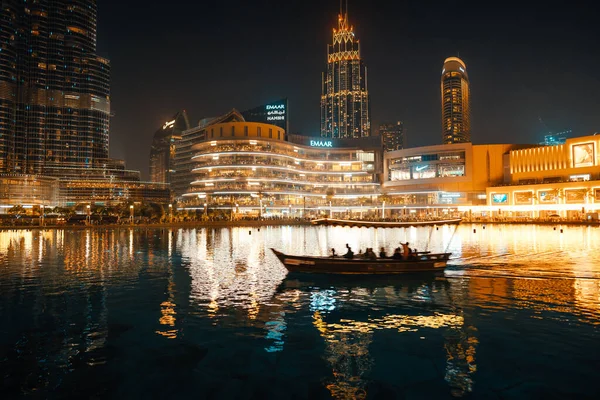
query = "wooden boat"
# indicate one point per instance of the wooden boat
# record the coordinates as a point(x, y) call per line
point(382, 224)
point(421, 262)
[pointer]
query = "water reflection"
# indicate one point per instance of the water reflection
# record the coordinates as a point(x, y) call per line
point(76, 305)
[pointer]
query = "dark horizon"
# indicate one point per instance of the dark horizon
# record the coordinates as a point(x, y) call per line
point(524, 63)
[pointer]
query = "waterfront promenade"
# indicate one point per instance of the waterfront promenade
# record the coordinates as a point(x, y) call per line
point(190, 224)
point(276, 222)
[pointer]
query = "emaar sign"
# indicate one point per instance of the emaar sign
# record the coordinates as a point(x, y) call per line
point(321, 143)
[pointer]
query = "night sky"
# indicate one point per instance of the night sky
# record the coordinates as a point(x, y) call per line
point(525, 62)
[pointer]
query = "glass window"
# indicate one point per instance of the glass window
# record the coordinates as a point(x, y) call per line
point(425, 171)
point(400, 174)
point(500, 198)
point(523, 197)
point(446, 170)
point(575, 196)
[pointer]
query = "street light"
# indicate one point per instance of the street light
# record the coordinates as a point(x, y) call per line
point(89, 220)
point(170, 213)
point(205, 210)
point(131, 214)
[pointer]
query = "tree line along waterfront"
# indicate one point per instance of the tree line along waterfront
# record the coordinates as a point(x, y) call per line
point(155, 214)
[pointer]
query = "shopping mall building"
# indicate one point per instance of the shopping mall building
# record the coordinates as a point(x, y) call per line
point(243, 167)
point(497, 181)
point(442, 179)
point(255, 168)
point(550, 182)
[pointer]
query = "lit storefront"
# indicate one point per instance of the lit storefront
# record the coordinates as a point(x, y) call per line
point(561, 181)
point(27, 190)
point(442, 178)
point(35, 190)
point(112, 192)
point(253, 169)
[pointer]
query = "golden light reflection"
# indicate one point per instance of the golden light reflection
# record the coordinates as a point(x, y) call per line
point(460, 346)
point(402, 323)
point(168, 313)
point(348, 343)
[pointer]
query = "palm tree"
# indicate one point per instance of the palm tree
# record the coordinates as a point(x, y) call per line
point(385, 198)
point(17, 211)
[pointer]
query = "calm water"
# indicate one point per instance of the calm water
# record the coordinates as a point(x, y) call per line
point(197, 313)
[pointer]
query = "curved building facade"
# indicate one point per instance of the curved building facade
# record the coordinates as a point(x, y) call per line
point(251, 165)
point(456, 108)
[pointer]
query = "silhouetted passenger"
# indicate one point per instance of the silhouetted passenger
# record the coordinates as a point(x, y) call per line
point(349, 253)
point(405, 250)
point(370, 254)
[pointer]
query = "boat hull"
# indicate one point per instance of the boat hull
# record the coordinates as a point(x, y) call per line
point(382, 224)
point(341, 265)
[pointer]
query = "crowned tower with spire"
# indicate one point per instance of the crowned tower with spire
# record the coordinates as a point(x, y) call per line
point(345, 102)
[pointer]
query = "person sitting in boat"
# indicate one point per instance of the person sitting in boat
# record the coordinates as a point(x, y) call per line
point(397, 254)
point(382, 253)
point(412, 253)
point(349, 253)
point(333, 253)
point(405, 250)
point(370, 254)
point(360, 254)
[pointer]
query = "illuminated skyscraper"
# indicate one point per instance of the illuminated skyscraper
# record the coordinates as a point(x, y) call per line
point(54, 88)
point(392, 135)
point(345, 102)
point(162, 153)
point(456, 109)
